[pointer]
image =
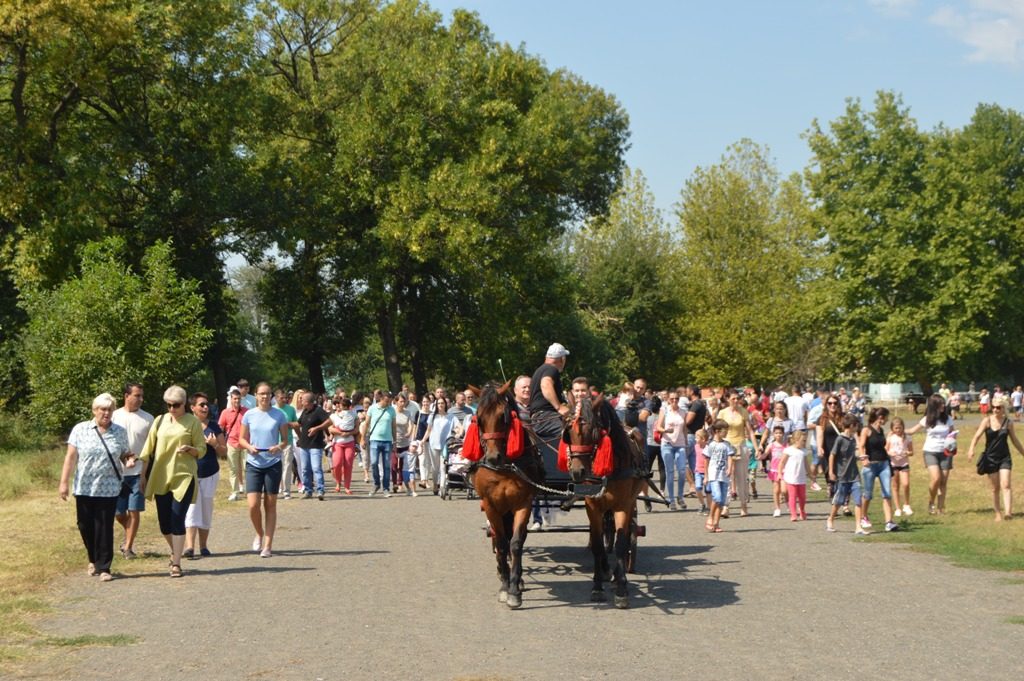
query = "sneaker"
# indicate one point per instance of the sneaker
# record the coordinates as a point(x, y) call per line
point(414, 493)
point(320, 496)
point(672, 505)
point(373, 491)
point(891, 527)
point(829, 527)
point(897, 513)
point(682, 505)
point(862, 532)
point(188, 553)
point(307, 495)
point(387, 494)
point(205, 553)
point(534, 526)
point(265, 553)
point(257, 543)
point(907, 511)
point(815, 487)
point(286, 495)
point(865, 524)
point(233, 496)
point(778, 513)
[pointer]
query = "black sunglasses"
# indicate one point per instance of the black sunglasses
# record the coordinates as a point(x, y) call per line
point(173, 405)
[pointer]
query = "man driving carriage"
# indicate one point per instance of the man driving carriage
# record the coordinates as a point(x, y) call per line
point(547, 401)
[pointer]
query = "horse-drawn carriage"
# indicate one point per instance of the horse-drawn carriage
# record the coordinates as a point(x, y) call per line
point(596, 466)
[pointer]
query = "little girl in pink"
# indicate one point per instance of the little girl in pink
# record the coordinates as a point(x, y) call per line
point(900, 447)
point(700, 469)
point(793, 470)
point(774, 450)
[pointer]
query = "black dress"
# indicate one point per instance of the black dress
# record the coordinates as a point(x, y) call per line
point(997, 450)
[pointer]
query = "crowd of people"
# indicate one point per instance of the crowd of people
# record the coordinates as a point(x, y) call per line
point(708, 445)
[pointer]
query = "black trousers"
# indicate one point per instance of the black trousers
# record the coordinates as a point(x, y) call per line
point(96, 525)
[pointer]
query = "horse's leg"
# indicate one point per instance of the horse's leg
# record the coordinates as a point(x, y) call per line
point(515, 581)
point(622, 529)
point(500, 541)
point(596, 516)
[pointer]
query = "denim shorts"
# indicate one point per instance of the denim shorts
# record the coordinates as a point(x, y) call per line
point(719, 491)
point(876, 470)
point(698, 481)
point(847, 492)
point(938, 459)
point(263, 480)
point(130, 501)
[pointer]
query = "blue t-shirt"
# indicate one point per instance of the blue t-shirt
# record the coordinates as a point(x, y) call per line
point(381, 420)
point(264, 433)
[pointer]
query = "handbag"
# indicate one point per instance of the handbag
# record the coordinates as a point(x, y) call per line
point(126, 489)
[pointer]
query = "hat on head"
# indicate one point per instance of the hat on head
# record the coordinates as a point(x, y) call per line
point(233, 390)
point(556, 351)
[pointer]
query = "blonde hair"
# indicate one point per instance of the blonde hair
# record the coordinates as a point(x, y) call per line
point(798, 439)
point(104, 401)
point(175, 394)
point(701, 435)
point(1000, 401)
point(897, 421)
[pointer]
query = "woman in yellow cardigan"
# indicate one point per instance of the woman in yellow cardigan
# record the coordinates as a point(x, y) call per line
point(175, 442)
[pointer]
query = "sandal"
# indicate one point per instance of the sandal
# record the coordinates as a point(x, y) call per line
point(175, 570)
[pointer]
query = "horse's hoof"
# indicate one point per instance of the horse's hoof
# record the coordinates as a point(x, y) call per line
point(514, 601)
point(502, 596)
point(597, 596)
point(622, 602)
point(608, 576)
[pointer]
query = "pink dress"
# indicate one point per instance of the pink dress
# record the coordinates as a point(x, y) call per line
point(898, 448)
point(776, 448)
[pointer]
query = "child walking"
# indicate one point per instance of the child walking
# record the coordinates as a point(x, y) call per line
point(900, 448)
point(700, 469)
point(793, 472)
point(844, 473)
point(720, 467)
point(773, 452)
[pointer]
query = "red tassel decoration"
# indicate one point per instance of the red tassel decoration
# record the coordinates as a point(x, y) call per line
point(563, 456)
point(514, 444)
point(471, 443)
point(603, 462)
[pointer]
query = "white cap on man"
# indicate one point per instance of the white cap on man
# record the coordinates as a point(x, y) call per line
point(556, 351)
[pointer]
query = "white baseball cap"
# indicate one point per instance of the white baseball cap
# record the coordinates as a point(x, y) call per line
point(556, 351)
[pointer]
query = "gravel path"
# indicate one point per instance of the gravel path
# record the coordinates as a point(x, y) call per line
point(374, 588)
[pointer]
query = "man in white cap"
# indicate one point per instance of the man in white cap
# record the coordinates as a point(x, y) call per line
point(547, 402)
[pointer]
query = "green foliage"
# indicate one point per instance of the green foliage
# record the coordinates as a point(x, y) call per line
point(752, 266)
point(630, 288)
point(922, 232)
point(108, 326)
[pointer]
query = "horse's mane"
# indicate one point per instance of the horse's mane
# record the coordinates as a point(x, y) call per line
point(609, 421)
point(490, 399)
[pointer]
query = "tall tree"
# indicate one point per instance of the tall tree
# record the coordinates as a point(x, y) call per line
point(631, 289)
point(752, 273)
point(466, 159)
point(919, 253)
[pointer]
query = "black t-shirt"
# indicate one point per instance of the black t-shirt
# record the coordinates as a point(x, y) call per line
point(700, 415)
point(875, 446)
point(308, 419)
point(539, 403)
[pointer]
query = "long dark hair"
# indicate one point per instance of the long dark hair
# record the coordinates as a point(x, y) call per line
point(935, 412)
point(825, 418)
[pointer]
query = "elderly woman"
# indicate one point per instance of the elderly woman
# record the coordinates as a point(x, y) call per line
point(96, 449)
point(200, 513)
point(174, 444)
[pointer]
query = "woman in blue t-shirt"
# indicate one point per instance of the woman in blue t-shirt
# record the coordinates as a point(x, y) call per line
point(264, 436)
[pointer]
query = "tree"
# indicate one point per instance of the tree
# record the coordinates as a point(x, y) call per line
point(750, 264)
point(110, 325)
point(464, 160)
point(630, 288)
point(905, 216)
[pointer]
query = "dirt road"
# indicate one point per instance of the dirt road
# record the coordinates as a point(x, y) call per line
point(374, 588)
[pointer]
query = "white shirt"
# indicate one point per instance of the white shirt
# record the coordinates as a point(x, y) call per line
point(137, 424)
point(795, 471)
point(935, 438)
point(797, 411)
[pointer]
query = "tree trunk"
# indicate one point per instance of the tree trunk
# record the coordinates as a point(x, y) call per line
point(386, 329)
point(315, 367)
point(220, 379)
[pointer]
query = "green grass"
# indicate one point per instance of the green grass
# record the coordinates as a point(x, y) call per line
point(88, 640)
point(1015, 620)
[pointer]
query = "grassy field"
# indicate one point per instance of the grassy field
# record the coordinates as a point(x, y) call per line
point(41, 542)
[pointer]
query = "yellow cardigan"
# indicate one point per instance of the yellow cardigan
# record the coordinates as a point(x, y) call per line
point(172, 472)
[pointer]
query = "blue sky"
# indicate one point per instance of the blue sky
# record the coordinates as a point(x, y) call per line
point(697, 76)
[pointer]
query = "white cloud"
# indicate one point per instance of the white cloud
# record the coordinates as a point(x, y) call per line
point(993, 29)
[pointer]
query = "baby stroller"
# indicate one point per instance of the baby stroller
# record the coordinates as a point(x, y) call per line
point(455, 471)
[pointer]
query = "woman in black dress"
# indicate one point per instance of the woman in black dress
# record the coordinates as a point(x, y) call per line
point(995, 461)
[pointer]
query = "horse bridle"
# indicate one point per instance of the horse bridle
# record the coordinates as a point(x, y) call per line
point(580, 451)
point(497, 435)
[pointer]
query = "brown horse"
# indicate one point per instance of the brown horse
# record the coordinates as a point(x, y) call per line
point(598, 449)
point(505, 458)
